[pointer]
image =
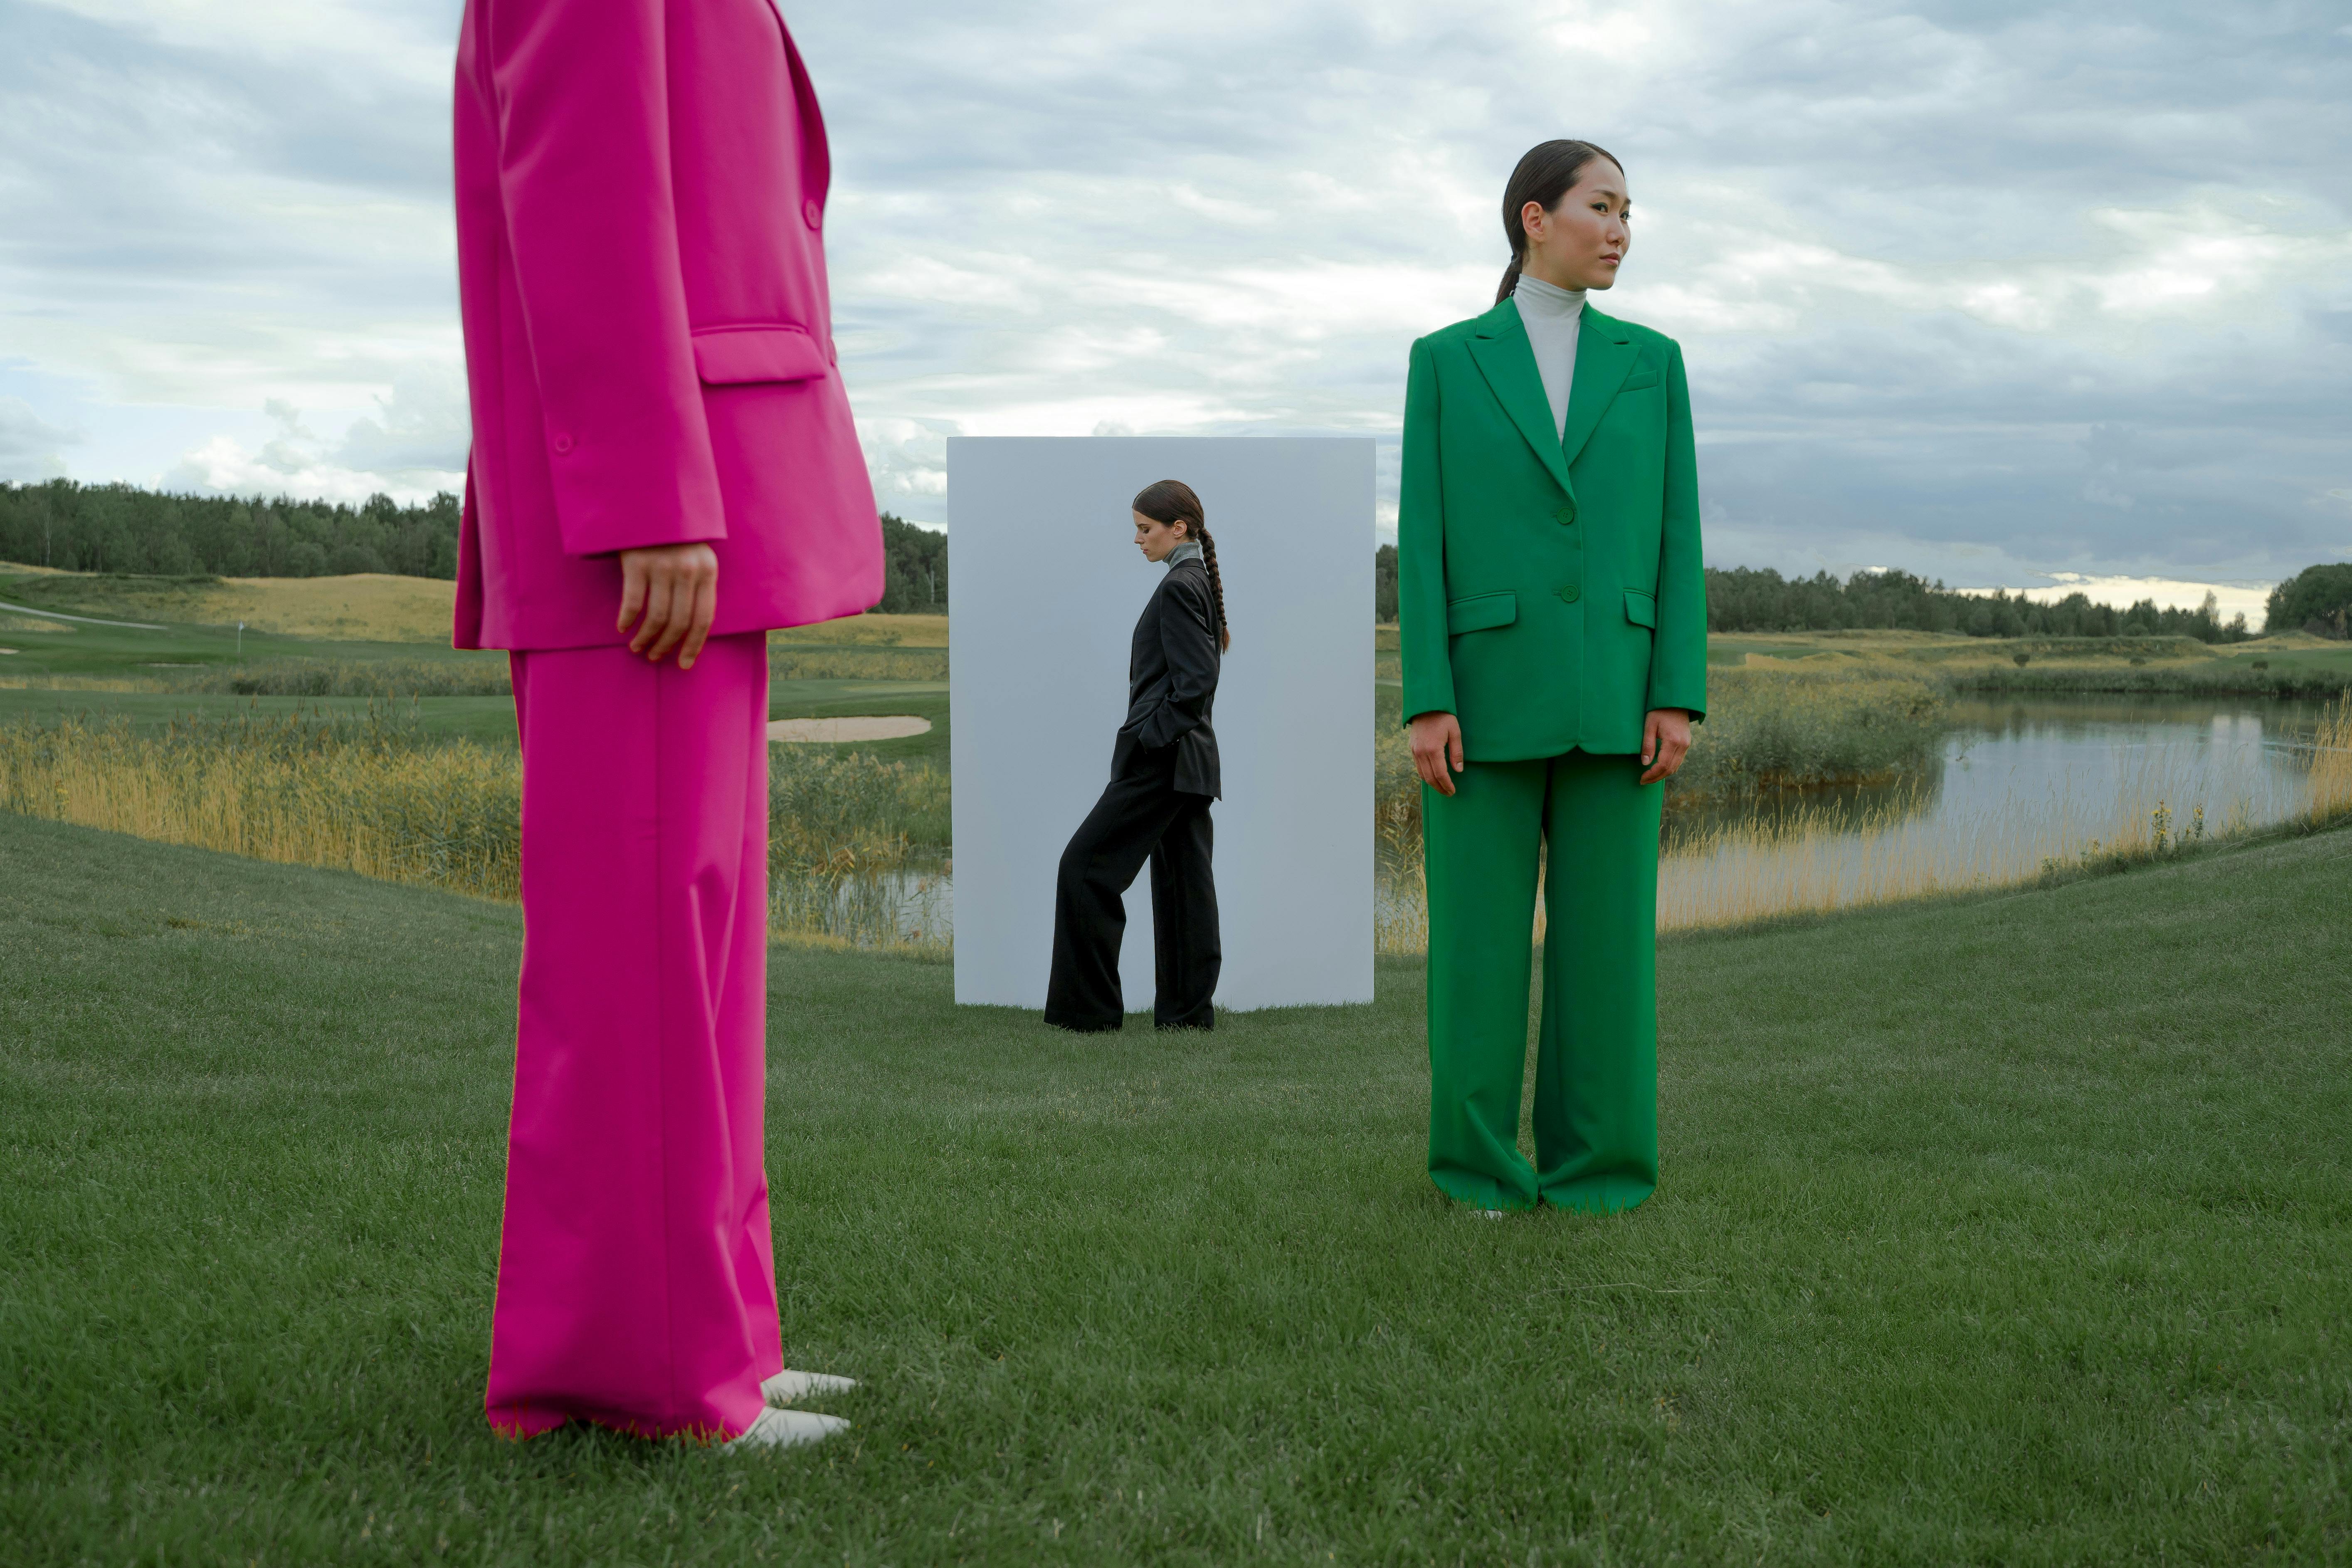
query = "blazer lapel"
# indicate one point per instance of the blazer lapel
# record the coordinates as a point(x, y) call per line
point(816, 150)
point(1604, 358)
point(1500, 349)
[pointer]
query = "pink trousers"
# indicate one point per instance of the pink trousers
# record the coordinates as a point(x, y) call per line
point(636, 1284)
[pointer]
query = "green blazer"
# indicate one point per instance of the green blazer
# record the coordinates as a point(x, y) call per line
point(1550, 590)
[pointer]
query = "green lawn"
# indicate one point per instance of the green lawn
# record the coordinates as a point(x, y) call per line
point(139, 652)
point(2335, 661)
point(834, 699)
point(2011, 1231)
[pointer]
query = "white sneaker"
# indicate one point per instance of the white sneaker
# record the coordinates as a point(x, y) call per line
point(1492, 1214)
point(790, 1387)
point(787, 1429)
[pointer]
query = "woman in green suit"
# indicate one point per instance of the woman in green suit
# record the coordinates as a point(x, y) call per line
point(1554, 629)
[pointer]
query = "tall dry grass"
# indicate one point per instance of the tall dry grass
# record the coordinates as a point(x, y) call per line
point(1766, 733)
point(1771, 732)
point(360, 793)
point(1817, 856)
point(371, 794)
point(846, 859)
point(1814, 860)
point(11, 623)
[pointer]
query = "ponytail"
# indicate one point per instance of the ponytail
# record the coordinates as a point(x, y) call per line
point(1510, 285)
point(1172, 502)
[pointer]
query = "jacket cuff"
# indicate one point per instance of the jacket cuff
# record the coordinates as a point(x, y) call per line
point(610, 498)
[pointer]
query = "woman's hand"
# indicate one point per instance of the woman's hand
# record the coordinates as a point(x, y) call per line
point(677, 588)
point(1437, 749)
point(1666, 737)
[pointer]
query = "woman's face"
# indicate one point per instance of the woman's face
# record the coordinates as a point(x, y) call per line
point(1580, 242)
point(1156, 538)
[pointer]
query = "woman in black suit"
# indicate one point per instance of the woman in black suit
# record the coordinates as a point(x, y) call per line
point(1163, 774)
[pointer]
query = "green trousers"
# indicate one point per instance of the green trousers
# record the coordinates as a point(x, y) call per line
point(1596, 1110)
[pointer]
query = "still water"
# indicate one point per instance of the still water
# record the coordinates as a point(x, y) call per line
point(2018, 784)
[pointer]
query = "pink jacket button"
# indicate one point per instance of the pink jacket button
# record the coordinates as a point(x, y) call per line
point(814, 213)
point(564, 443)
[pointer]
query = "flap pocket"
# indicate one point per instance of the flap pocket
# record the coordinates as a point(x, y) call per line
point(1640, 608)
point(728, 356)
point(1480, 612)
point(1640, 379)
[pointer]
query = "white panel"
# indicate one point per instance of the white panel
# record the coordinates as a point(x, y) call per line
point(1047, 586)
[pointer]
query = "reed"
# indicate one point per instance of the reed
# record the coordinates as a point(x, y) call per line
point(1771, 732)
point(360, 793)
point(847, 859)
point(2234, 676)
point(371, 794)
point(1816, 855)
point(1766, 733)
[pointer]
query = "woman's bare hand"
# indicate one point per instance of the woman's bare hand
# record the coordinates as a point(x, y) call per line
point(1437, 749)
point(1666, 737)
point(677, 588)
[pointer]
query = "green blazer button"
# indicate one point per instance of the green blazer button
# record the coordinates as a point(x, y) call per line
point(1565, 515)
point(1571, 594)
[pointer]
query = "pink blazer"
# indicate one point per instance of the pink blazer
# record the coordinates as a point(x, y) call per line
point(648, 336)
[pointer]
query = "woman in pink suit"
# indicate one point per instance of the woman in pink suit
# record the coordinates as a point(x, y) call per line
point(663, 469)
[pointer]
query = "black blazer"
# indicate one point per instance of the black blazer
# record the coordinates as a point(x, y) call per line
point(1171, 683)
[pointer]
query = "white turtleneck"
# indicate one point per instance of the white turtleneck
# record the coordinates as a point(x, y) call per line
point(1551, 315)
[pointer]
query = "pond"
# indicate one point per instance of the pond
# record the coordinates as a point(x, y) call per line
point(2019, 784)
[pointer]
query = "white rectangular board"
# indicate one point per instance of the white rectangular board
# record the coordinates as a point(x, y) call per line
point(1047, 586)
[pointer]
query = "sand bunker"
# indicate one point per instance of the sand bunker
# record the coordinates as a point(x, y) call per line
point(833, 731)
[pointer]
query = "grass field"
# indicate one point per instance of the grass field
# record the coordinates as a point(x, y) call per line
point(864, 664)
point(369, 607)
point(2007, 1231)
point(2292, 664)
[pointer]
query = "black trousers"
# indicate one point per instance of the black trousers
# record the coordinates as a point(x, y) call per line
point(1141, 815)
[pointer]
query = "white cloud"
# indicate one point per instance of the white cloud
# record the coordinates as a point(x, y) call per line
point(30, 448)
point(1986, 293)
point(420, 427)
point(296, 462)
point(2247, 599)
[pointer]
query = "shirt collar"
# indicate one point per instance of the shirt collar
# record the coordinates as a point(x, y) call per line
point(1548, 299)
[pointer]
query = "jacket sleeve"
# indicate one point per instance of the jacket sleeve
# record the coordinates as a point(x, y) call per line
point(1189, 641)
point(583, 108)
point(1678, 654)
point(1421, 548)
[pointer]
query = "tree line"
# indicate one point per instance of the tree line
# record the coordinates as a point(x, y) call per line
point(125, 528)
point(1749, 599)
point(1753, 599)
point(128, 528)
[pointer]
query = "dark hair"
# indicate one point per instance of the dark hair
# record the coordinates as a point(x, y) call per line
point(1171, 502)
point(1544, 175)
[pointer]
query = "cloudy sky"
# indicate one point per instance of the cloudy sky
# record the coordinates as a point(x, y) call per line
point(1997, 292)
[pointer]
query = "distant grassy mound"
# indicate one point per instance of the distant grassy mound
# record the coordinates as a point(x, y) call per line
point(368, 607)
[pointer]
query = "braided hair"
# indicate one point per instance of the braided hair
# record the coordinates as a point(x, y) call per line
point(1171, 502)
